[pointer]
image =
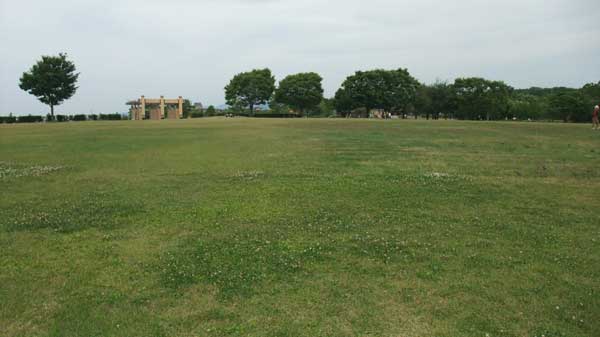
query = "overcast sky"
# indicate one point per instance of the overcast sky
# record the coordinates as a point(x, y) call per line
point(127, 48)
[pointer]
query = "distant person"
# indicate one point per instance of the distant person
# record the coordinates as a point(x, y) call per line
point(595, 124)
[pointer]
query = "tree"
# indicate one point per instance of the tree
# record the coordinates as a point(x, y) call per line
point(477, 98)
point(423, 101)
point(188, 108)
point(52, 80)
point(327, 107)
point(210, 111)
point(543, 92)
point(390, 90)
point(401, 90)
point(278, 108)
point(526, 106)
point(250, 89)
point(343, 102)
point(569, 106)
point(442, 99)
point(591, 91)
point(303, 92)
point(365, 89)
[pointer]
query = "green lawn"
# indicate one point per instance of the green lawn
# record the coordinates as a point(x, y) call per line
point(250, 227)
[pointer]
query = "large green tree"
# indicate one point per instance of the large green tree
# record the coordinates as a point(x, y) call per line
point(569, 106)
point(401, 90)
point(250, 89)
point(390, 90)
point(526, 106)
point(52, 80)
point(423, 102)
point(343, 102)
point(591, 92)
point(478, 98)
point(303, 92)
point(442, 99)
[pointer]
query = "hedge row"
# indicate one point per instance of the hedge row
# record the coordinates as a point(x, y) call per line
point(59, 118)
point(268, 115)
point(115, 117)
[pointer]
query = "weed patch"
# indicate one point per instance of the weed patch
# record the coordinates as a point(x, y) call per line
point(236, 265)
point(13, 170)
point(91, 211)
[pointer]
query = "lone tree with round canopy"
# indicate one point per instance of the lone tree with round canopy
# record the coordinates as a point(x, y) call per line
point(390, 90)
point(250, 89)
point(302, 92)
point(52, 80)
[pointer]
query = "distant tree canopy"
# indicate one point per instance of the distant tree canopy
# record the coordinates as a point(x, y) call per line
point(343, 102)
point(591, 93)
point(478, 98)
point(250, 89)
point(188, 108)
point(569, 106)
point(52, 80)
point(210, 111)
point(397, 92)
point(543, 92)
point(302, 92)
point(435, 100)
point(526, 106)
point(327, 107)
point(389, 90)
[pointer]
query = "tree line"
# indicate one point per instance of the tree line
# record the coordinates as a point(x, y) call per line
point(53, 80)
point(300, 93)
point(397, 92)
point(477, 98)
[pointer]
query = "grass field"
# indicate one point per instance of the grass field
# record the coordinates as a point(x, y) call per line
point(245, 227)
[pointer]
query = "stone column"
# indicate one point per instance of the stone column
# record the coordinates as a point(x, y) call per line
point(180, 108)
point(162, 106)
point(143, 102)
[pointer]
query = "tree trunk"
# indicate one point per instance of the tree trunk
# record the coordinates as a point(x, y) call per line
point(251, 109)
point(52, 110)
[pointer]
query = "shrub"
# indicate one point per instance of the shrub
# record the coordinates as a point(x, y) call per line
point(269, 115)
point(8, 119)
point(79, 118)
point(110, 117)
point(280, 115)
point(61, 118)
point(93, 117)
point(30, 119)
